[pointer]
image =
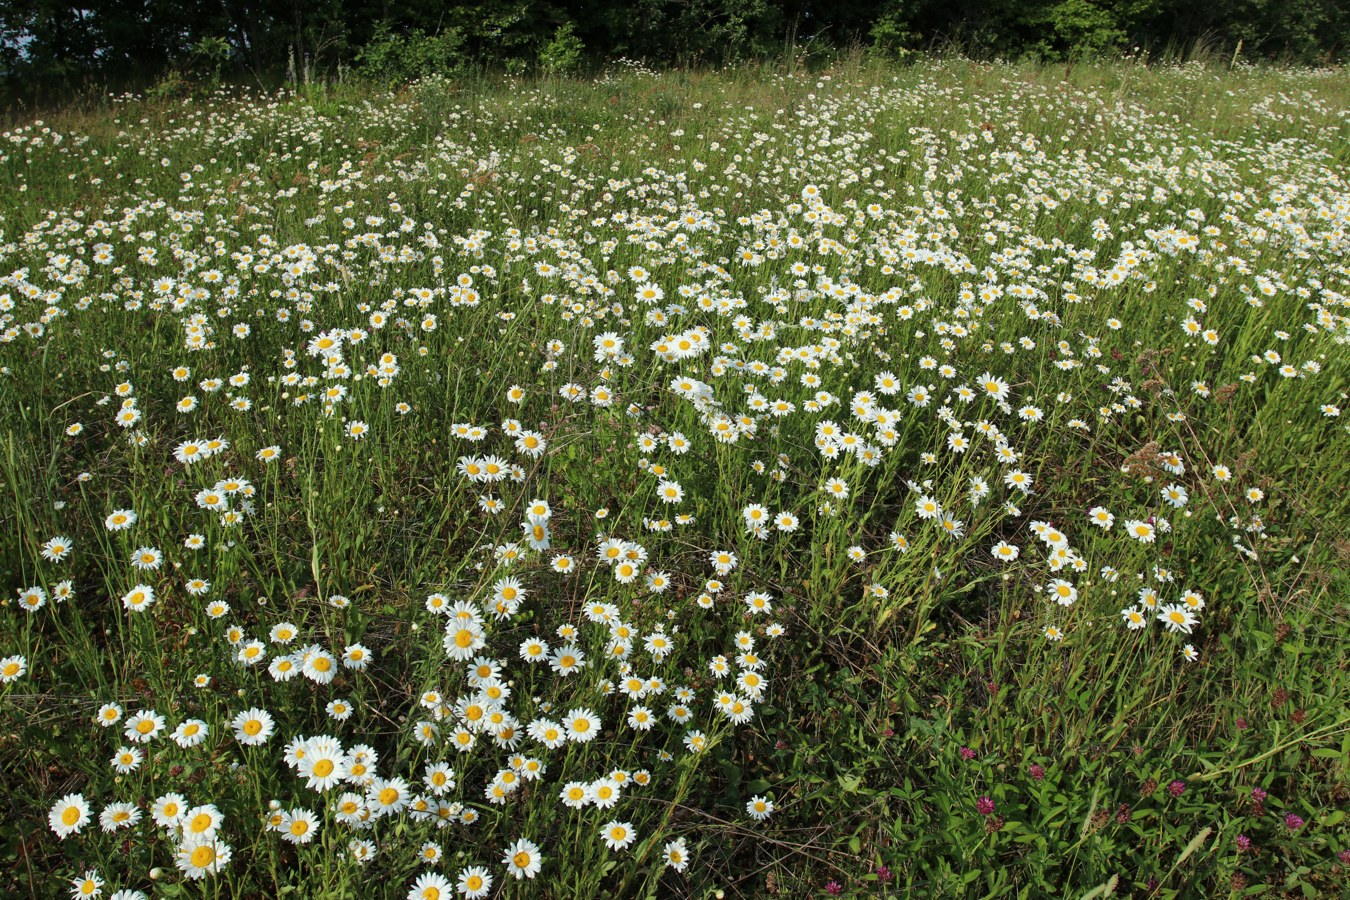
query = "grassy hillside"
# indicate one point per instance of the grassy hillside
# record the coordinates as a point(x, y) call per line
point(888, 482)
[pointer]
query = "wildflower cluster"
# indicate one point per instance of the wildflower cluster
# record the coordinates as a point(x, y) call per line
point(458, 517)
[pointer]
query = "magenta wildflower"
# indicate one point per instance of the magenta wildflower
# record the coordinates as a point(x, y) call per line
point(1177, 788)
point(833, 888)
point(985, 806)
point(1244, 843)
point(1293, 822)
point(967, 753)
point(1258, 795)
point(1037, 772)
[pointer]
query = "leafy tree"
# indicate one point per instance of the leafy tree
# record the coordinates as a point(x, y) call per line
point(47, 43)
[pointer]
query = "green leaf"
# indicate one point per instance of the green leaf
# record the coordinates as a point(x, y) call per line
point(849, 784)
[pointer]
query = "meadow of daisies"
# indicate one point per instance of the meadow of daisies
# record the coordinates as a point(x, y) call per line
point(872, 482)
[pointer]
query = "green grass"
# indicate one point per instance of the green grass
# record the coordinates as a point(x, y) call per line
point(917, 732)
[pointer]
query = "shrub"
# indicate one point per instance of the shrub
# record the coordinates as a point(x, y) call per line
point(396, 59)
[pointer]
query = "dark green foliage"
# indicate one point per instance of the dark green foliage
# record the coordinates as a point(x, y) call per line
point(394, 59)
point(48, 45)
point(565, 53)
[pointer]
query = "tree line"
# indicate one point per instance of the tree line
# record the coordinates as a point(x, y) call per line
point(64, 43)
